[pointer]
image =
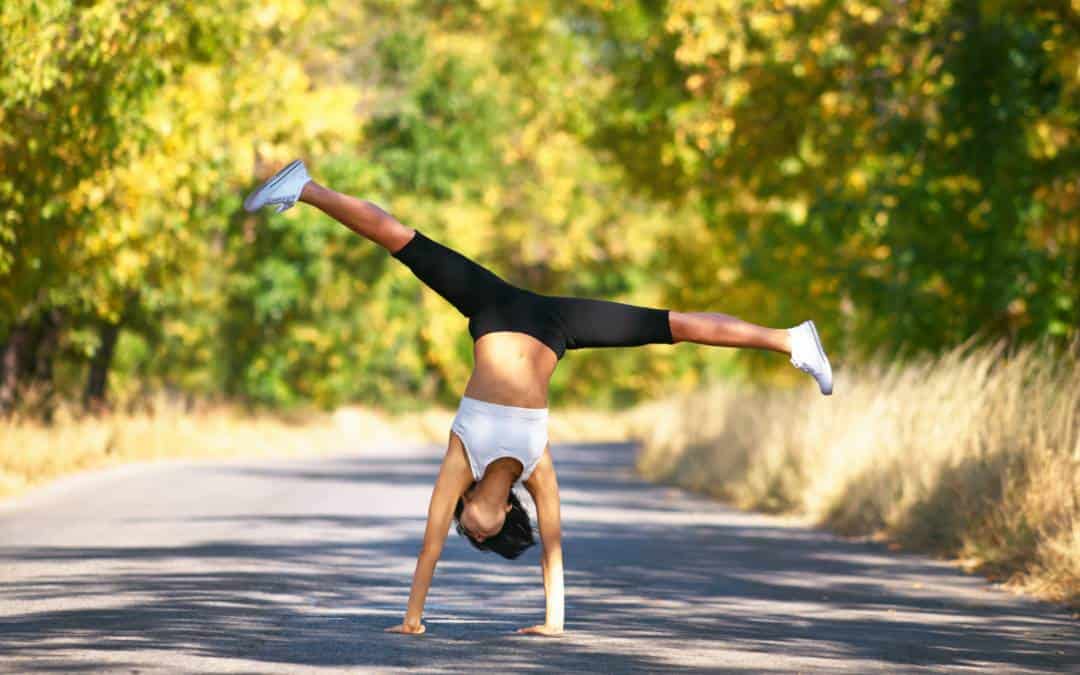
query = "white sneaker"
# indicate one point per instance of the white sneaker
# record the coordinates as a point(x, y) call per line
point(808, 355)
point(283, 188)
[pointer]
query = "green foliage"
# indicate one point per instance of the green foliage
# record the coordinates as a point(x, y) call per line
point(904, 174)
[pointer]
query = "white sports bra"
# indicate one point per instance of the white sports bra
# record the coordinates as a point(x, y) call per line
point(490, 431)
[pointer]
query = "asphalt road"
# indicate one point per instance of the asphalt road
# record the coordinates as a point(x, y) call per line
point(288, 566)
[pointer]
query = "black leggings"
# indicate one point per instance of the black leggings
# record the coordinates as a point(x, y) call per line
point(492, 304)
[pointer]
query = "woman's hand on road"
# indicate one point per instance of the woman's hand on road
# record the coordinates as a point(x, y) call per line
point(542, 629)
point(407, 629)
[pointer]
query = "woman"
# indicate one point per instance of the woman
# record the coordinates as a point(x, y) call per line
point(499, 436)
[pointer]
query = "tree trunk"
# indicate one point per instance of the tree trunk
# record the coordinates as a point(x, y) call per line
point(10, 362)
point(97, 380)
point(44, 355)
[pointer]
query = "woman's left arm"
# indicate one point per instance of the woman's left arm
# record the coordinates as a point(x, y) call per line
point(454, 477)
point(544, 488)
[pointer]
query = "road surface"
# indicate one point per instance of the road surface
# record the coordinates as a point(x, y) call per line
point(297, 565)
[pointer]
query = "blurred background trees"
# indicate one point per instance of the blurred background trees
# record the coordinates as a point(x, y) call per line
point(907, 174)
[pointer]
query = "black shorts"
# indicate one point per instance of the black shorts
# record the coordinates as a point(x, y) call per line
point(491, 304)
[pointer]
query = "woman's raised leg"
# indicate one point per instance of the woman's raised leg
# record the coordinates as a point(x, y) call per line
point(722, 330)
point(462, 282)
point(359, 215)
point(601, 323)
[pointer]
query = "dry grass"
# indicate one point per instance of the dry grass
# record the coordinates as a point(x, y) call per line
point(32, 453)
point(974, 455)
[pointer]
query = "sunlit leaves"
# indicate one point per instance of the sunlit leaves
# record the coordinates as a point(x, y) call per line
point(906, 174)
point(910, 146)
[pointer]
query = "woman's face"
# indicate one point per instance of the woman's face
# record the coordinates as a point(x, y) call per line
point(480, 519)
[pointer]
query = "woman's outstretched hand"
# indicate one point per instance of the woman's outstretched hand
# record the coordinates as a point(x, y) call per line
point(542, 629)
point(407, 629)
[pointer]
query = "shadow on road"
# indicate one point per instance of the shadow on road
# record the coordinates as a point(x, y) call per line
point(657, 581)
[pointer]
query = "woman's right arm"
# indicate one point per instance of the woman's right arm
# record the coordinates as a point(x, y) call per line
point(543, 485)
point(454, 477)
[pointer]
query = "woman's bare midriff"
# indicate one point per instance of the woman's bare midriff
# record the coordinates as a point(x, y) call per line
point(511, 369)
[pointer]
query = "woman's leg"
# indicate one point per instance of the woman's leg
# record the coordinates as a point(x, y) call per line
point(721, 330)
point(360, 216)
point(602, 323)
point(465, 284)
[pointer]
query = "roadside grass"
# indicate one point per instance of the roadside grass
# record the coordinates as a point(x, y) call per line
point(32, 453)
point(974, 455)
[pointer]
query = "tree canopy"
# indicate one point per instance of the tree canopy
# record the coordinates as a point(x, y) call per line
point(905, 174)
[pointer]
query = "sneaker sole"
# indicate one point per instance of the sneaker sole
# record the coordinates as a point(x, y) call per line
point(270, 184)
point(824, 358)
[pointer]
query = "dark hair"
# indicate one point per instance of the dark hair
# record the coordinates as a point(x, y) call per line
point(515, 536)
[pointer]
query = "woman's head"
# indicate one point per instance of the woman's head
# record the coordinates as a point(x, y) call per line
point(504, 529)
